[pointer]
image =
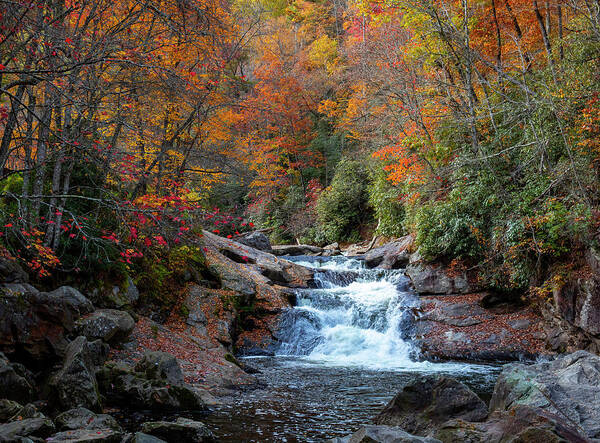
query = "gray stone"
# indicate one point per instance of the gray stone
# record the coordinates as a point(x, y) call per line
point(567, 387)
point(520, 323)
point(140, 437)
point(182, 430)
point(430, 401)
point(12, 272)
point(386, 434)
point(30, 427)
point(160, 366)
point(89, 436)
point(294, 250)
point(110, 325)
point(75, 385)
point(124, 387)
point(256, 240)
point(15, 381)
point(82, 418)
point(9, 409)
point(37, 322)
point(393, 255)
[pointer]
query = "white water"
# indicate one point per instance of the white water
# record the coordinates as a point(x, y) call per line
point(356, 317)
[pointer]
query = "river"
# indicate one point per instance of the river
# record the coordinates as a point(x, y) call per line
point(345, 351)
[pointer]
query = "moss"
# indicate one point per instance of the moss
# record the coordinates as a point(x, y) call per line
point(184, 311)
point(231, 359)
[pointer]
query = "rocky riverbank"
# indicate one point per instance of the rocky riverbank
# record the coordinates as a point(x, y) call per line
point(552, 401)
point(65, 362)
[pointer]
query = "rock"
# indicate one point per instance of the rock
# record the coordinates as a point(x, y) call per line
point(82, 418)
point(393, 255)
point(256, 240)
point(89, 436)
point(124, 387)
point(182, 430)
point(567, 387)
point(457, 314)
point(16, 382)
point(110, 325)
point(520, 323)
point(430, 401)
point(36, 323)
point(430, 279)
point(31, 427)
point(160, 366)
point(331, 250)
point(523, 424)
point(140, 437)
point(295, 250)
point(12, 272)
point(9, 409)
point(578, 302)
point(383, 434)
point(75, 384)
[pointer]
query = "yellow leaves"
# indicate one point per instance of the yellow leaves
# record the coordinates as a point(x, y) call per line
point(323, 52)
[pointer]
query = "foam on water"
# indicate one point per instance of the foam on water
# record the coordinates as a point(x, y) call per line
point(355, 317)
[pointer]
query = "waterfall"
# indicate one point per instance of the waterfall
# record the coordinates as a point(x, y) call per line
point(354, 316)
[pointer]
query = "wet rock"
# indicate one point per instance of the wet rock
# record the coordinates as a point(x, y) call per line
point(457, 314)
point(523, 424)
point(256, 240)
point(182, 430)
point(140, 437)
point(82, 418)
point(36, 322)
point(430, 401)
point(110, 325)
point(157, 365)
point(567, 387)
point(89, 436)
point(294, 250)
point(12, 272)
point(31, 427)
point(75, 384)
point(383, 434)
point(393, 255)
point(16, 382)
point(122, 386)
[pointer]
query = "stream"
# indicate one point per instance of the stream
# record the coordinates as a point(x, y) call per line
point(345, 351)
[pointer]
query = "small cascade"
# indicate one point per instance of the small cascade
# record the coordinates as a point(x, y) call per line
point(355, 316)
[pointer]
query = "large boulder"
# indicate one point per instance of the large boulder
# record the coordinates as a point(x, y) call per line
point(567, 387)
point(30, 427)
point(393, 255)
point(122, 386)
point(75, 384)
point(156, 365)
point(182, 430)
point(434, 279)
point(256, 240)
point(522, 424)
point(383, 434)
point(16, 382)
point(110, 325)
point(36, 323)
point(114, 296)
point(88, 436)
point(82, 418)
point(140, 437)
point(430, 401)
point(12, 272)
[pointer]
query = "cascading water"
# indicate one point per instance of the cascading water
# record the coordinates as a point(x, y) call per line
point(355, 316)
point(345, 351)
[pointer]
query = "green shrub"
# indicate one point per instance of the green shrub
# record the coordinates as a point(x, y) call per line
point(388, 209)
point(343, 207)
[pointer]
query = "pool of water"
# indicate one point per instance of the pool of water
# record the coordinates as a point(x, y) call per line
point(305, 400)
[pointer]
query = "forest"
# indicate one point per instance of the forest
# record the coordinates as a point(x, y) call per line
point(140, 140)
point(471, 124)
